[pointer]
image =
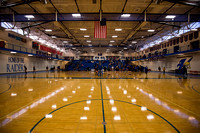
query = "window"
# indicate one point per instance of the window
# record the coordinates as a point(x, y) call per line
point(196, 34)
point(167, 44)
point(170, 43)
point(174, 42)
point(177, 40)
point(190, 36)
point(164, 51)
point(186, 38)
point(176, 49)
point(181, 39)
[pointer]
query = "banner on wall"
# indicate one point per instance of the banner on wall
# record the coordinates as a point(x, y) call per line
point(184, 62)
point(16, 37)
point(35, 45)
point(15, 64)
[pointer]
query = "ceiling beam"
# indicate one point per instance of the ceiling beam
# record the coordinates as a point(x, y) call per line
point(186, 2)
point(124, 6)
point(33, 25)
point(164, 23)
point(157, 18)
point(136, 17)
point(62, 26)
point(18, 3)
point(78, 10)
point(139, 25)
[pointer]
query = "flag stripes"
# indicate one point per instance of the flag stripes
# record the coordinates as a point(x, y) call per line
point(99, 31)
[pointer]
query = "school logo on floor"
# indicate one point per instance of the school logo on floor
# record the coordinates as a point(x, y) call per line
point(184, 62)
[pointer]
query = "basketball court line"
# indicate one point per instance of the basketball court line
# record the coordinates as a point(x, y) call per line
point(106, 100)
point(103, 113)
point(7, 89)
point(168, 73)
point(104, 121)
point(173, 103)
point(195, 90)
point(91, 78)
point(101, 89)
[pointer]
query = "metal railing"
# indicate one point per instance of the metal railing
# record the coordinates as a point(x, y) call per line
point(20, 48)
point(25, 50)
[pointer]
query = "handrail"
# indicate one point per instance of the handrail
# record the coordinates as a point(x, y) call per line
point(25, 50)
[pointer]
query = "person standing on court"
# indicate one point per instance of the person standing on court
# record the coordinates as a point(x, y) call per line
point(163, 69)
point(25, 69)
point(184, 71)
point(146, 70)
point(159, 69)
point(34, 69)
point(47, 68)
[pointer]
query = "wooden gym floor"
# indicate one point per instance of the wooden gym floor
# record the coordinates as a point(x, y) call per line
point(81, 102)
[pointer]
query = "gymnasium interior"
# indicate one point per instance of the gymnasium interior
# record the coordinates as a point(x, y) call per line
point(97, 66)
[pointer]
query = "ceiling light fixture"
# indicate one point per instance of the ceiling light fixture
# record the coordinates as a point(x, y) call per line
point(12, 52)
point(88, 41)
point(86, 36)
point(125, 15)
point(83, 29)
point(48, 30)
point(29, 16)
point(151, 30)
point(53, 37)
point(112, 41)
point(170, 16)
point(114, 36)
point(134, 42)
point(76, 15)
point(65, 41)
point(118, 29)
point(194, 29)
point(8, 29)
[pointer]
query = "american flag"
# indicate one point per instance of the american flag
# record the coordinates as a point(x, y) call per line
point(99, 31)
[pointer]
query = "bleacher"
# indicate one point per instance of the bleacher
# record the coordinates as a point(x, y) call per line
point(88, 65)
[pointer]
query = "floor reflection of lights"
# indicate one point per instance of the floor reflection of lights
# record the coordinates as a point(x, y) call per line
point(30, 89)
point(9, 118)
point(176, 111)
point(48, 116)
point(54, 106)
point(65, 99)
point(114, 109)
point(133, 100)
point(150, 117)
point(117, 117)
point(86, 108)
point(13, 94)
point(88, 101)
point(83, 118)
point(143, 108)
